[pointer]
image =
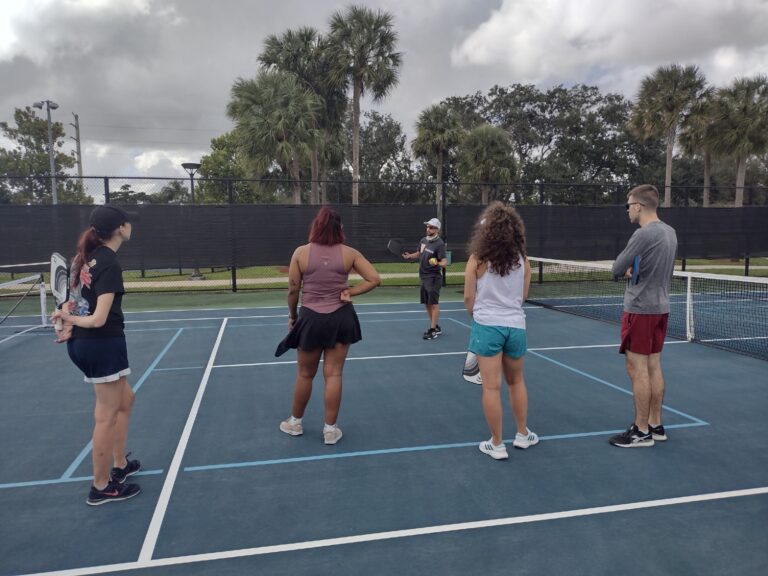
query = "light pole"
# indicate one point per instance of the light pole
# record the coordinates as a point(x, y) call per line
point(191, 168)
point(50, 105)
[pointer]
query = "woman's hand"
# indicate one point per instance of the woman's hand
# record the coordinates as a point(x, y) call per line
point(65, 332)
point(345, 296)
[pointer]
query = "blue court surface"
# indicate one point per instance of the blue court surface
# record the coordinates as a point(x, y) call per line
point(406, 491)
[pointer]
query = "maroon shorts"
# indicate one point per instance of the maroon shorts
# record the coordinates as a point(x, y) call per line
point(643, 333)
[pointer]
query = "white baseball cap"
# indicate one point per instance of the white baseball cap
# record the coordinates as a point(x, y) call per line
point(433, 222)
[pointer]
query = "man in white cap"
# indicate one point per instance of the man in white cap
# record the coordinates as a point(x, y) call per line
point(431, 255)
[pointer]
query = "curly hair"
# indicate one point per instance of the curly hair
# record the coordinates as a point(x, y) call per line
point(499, 238)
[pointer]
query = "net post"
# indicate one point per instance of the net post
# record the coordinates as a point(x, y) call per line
point(689, 328)
point(43, 302)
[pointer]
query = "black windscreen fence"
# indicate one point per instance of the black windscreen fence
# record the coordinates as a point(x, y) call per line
point(170, 236)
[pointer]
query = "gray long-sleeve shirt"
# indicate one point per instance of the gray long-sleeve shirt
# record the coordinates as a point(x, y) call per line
point(656, 244)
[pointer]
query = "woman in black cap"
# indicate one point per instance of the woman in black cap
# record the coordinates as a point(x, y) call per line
point(93, 329)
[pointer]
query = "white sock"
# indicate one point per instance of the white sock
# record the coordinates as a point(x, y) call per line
point(294, 420)
point(329, 427)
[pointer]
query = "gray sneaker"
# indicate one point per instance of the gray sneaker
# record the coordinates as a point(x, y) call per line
point(332, 435)
point(291, 428)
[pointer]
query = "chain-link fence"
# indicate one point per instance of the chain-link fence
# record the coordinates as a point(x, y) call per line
point(140, 190)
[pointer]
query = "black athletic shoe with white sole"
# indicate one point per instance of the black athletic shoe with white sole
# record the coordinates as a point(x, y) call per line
point(632, 438)
point(112, 492)
point(658, 432)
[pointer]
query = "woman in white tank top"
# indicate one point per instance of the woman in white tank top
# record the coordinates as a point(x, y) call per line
point(496, 284)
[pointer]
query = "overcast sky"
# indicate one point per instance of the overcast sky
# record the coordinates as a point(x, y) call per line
point(150, 79)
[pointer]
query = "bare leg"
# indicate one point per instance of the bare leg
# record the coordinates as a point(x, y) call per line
point(637, 368)
point(518, 393)
point(333, 366)
point(434, 315)
point(656, 378)
point(123, 419)
point(305, 373)
point(490, 370)
point(108, 400)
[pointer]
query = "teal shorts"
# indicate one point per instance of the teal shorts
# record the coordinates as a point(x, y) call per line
point(490, 340)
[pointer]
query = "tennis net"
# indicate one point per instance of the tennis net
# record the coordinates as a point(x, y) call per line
point(22, 294)
point(728, 312)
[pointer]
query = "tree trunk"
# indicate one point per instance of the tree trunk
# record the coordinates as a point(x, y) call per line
point(438, 187)
point(314, 196)
point(295, 175)
point(741, 176)
point(707, 167)
point(357, 89)
point(485, 190)
point(668, 172)
point(324, 187)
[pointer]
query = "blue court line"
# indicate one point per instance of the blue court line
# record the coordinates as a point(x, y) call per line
point(401, 450)
point(596, 379)
point(85, 451)
point(614, 386)
point(32, 483)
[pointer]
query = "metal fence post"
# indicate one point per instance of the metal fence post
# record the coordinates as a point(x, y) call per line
point(232, 235)
point(106, 190)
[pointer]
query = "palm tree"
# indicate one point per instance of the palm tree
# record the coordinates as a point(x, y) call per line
point(741, 124)
point(438, 131)
point(305, 53)
point(665, 96)
point(362, 46)
point(697, 135)
point(275, 118)
point(485, 156)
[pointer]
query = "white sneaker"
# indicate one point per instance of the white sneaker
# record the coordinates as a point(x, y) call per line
point(495, 452)
point(332, 435)
point(524, 441)
point(291, 428)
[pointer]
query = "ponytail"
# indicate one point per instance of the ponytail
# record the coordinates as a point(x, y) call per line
point(88, 242)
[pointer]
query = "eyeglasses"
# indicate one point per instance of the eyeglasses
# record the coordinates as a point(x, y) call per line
point(628, 204)
point(431, 227)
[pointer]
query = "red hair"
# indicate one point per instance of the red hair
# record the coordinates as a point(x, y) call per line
point(327, 228)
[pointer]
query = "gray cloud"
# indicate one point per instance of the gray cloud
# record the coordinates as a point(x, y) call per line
point(150, 79)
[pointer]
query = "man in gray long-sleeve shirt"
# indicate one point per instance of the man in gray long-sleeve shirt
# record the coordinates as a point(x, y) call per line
point(648, 261)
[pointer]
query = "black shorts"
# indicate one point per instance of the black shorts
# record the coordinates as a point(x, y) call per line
point(101, 360)
point(430, 289)
point(313, 330)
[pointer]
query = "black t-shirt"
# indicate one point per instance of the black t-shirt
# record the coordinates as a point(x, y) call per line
point(102, 274)
point(430, 249)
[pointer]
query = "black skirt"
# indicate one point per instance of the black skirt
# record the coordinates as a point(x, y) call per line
point(313, 330)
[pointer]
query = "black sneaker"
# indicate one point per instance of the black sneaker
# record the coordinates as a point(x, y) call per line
point(658, 433)
point(438, 329)
point(120, 474)
point(113, 492)
point(632, 438)
point(431, 334)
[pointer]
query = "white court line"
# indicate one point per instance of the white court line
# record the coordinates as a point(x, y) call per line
point(256, 316)
point(150, 540)
point(12, 336)
point(408, 533)
point(462, 352)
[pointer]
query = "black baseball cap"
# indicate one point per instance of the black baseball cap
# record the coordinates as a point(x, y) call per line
point(108, 218)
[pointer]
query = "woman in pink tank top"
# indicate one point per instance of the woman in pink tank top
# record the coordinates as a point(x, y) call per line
point(326, 325)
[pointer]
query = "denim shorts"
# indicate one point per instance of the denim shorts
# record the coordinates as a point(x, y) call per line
point(490, 340)
point(101, 360)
